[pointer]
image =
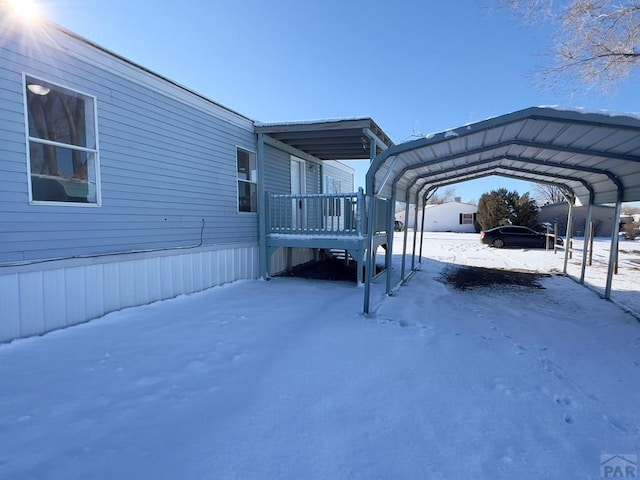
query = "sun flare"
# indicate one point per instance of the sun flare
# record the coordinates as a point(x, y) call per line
point(25, 9)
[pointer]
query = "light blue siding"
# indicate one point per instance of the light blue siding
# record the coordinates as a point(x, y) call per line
point(277, 175)
point(341, 173)
point(313, 180)
point(165, 165)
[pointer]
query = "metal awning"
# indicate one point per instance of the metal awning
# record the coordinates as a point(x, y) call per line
point(345, 139)
point(585, 153)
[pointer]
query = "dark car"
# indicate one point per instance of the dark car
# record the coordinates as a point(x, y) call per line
point(398, 226)
point(514, 236)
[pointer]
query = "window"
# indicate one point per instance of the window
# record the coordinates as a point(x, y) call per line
point(331, 185)
point(247, 181)
point(63, 151)
point(332, 204)
point(466, 218)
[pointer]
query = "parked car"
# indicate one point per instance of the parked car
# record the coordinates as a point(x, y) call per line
point(516, 236)
point(398, 226)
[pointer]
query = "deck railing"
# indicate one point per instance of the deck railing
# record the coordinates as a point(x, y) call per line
point(335, 221)
point(331, 214)
point(316, 214)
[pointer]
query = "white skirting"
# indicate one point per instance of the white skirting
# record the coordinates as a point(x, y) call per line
point(41, 297)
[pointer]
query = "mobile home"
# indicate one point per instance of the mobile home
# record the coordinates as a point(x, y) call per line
point(119, 187)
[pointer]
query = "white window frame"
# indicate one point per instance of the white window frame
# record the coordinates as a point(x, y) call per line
point(332, 186)
point(93, 162)
point(252, 159)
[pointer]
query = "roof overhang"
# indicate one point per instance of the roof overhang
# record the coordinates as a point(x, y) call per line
point(345, 139)
point(592, 156)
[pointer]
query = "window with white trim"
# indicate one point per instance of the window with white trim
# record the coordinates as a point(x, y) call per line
point(247, 181)
point(332, 205)
point(63, 145)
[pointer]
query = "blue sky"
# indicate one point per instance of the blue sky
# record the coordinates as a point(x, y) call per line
point(415, 67)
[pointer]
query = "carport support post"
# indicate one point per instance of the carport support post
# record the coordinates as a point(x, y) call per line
point(588, 232)
point(361, 229)
point(370, 260)
point(591, 234)
point(424, 211)
point(389, 252)
point(404, 241)
point(613, 253)
point(415, 232)
point(568, 234)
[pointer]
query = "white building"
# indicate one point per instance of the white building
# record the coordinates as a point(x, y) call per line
point(446, 217)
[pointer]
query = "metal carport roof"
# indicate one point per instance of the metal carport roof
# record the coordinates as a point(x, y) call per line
point(593, 157)
point(584, 152)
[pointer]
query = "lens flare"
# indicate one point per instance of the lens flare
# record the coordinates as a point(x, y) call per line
point(25, 9)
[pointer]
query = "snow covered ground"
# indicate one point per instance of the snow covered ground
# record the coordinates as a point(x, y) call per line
point(286, 379)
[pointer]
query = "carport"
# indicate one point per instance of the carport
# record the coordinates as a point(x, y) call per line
point(594, 158)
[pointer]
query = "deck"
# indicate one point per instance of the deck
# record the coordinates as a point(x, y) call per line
point(336, 221)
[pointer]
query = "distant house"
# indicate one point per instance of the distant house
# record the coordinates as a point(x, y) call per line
point(451, 217)
point(635, 217)
point(602, 217)
point(119, 187)
point(446, 217)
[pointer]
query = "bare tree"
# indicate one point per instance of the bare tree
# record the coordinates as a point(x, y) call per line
point(545, 194)
point(597, 41)
point(437, 198)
